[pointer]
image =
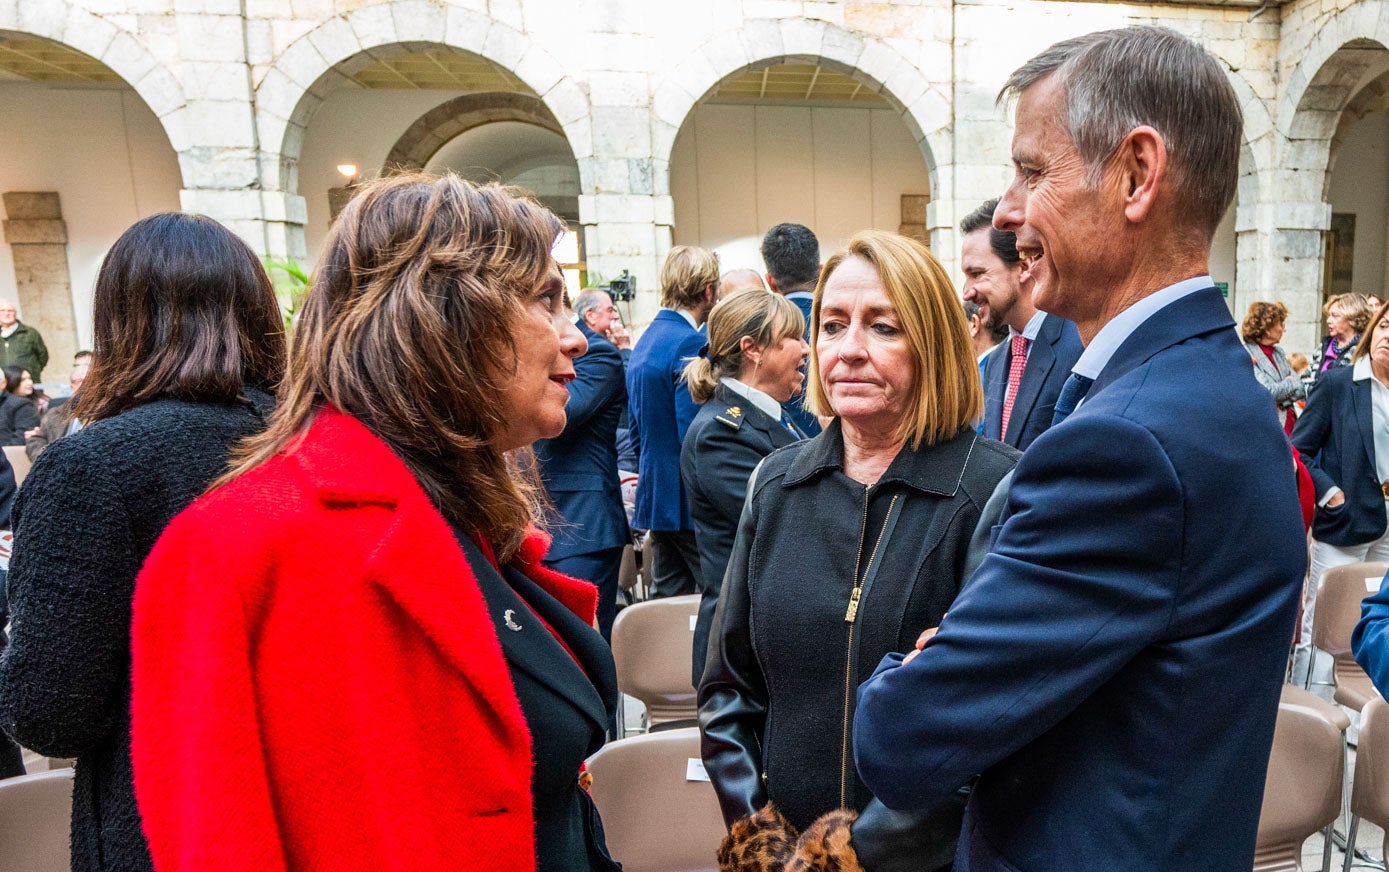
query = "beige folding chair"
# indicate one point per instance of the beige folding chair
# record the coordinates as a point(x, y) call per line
point(652, 644)
point(35, 815)
point(659, 811)
point(1337, 613)
point(1369, 798)
point(1302, 792)
point(19, 461)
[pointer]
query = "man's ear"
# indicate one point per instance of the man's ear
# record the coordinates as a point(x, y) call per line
point(772, 285)
point(1142, 168)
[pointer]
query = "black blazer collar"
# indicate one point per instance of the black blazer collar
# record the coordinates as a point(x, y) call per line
point(527, 645)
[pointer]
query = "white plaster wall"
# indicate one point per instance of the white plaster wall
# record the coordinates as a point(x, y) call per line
point(1360, 184)
point(105, 154)
point(738, 170)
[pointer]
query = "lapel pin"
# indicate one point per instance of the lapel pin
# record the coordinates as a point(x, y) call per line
point(510, 624)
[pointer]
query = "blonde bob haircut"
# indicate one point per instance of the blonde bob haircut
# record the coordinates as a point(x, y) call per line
point(948, 395)
point(764, 317)
point(686, 275)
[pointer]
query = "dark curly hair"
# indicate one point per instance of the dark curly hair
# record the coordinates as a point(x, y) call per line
point(1261, 318)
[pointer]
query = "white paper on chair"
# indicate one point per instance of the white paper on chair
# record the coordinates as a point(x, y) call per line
point(1372, 583)
point(694, 618)
point(694, 770)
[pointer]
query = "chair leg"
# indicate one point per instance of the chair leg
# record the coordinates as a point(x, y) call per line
point(1326, 847)
point(1350, 842)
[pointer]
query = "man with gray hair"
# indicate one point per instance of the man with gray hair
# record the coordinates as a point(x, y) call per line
point(1111, 672)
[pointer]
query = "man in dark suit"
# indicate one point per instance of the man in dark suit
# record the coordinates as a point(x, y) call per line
point(1111, 672)
point(1023, 377)
point(579, 466)
point(660, 411)
point(792, 255)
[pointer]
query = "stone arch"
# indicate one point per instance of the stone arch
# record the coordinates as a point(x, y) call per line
point(317, 63)
point(423, 139)
point(757, 42)
point(126, 55)
point(1348, 48)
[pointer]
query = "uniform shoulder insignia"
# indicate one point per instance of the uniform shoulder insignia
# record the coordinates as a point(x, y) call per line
point(732, 416)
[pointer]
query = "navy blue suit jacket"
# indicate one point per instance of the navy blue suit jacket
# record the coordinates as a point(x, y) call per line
point(1049, 362)
point(795, 407)
point(660, 411)
point(579, 466)
point(1113, 667)
point(1336, 437)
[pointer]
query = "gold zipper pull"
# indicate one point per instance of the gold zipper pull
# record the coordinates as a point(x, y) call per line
point(852, 612)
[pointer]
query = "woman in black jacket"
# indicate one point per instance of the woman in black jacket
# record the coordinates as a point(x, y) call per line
point(850, 545)
point(189, 347)
point(18, 412)
point(752, 366)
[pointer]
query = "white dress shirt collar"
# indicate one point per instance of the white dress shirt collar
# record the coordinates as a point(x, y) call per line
point(1112, 335)
point(760, 399)
point(1032, 327)
point(688, 316)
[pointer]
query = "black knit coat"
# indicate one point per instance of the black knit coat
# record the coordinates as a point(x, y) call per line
point(85, 519)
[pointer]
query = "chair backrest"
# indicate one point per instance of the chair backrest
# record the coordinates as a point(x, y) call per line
point(19, 461)
point(1338, 605)
point(655, 818)
point(1294, 695)
point(1369, 797)
point(652, 645)
point(35, 815)
point(1302, 792)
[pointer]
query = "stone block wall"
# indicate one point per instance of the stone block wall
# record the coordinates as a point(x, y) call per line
point(236, 83)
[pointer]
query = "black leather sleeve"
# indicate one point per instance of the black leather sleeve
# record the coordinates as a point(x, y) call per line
point(733, 693)
point(908, 841)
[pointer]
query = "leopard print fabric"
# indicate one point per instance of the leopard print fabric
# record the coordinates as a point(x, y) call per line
point(825, 845)
point(760, 842)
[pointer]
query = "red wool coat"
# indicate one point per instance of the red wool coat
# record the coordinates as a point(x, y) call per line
point(316, 684)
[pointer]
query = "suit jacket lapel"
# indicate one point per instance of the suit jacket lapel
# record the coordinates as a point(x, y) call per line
point(995, 385)
point(1041, 357)
point(1363, 401)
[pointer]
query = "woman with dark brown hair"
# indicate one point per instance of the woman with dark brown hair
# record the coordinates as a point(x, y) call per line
point(189, 343)
point(389, 601)
point(19, 411)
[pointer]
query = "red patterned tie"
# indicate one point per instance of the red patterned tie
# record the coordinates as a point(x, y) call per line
point(1018, 348)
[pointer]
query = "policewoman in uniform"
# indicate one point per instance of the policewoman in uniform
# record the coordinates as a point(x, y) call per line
point(749, 368)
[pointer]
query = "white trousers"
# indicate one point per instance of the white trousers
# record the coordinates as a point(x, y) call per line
point(1326, 557)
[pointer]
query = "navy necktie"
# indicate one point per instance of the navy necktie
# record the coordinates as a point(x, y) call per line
point(1071, 394)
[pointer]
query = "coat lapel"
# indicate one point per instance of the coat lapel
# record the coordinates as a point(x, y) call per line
point(1196, 314)
point(1041, 357)
point(1364, 417)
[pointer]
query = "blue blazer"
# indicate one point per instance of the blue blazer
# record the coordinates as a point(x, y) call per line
point(795, 407)
point(660, 411)
point(1336, 438)
point(1113, 667)
point(579, 466)
point(1049, 362)
point(1370, 641)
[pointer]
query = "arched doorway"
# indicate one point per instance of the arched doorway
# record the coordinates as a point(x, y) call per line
point(83, 140)
point(812, 142)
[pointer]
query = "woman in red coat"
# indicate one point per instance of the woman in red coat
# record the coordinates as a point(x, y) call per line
point(348, 654)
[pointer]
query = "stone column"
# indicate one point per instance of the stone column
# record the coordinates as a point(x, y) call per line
point(625, 204)
point(38, 237)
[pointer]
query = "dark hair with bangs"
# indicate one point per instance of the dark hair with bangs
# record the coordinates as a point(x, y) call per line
point(183, 309)
point(408, 326)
